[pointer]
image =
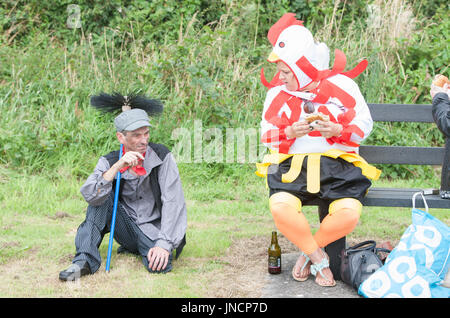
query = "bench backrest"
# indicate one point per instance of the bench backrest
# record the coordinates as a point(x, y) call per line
point(405, 154)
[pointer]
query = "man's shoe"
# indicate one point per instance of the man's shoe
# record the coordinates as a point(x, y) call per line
point(75, 271)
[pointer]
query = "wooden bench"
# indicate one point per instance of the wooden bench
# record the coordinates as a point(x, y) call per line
point(403, 155)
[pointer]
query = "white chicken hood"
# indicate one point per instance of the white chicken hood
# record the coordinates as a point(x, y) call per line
point(294, 45)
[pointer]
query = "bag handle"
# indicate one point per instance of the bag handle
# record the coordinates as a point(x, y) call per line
point(358, 247)
point(414, 200)
point(383, 250)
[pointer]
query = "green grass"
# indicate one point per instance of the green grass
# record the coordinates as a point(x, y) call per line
point(39, 217)
point(39, 220)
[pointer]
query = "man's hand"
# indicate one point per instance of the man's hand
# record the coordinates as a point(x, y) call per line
point(328, 129)
point(437, 89)
point(157, 258)
point(130, 158)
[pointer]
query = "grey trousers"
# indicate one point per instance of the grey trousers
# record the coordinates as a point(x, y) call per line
point(97, 223)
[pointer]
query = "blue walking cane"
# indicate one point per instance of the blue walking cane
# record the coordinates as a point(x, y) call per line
point(113, 220)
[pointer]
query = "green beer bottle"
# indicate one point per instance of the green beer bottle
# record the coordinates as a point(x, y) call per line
point(274, 255)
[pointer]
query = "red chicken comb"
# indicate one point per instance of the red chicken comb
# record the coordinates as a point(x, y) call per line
point(286, 21)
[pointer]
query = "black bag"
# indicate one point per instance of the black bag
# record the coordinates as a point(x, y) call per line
point(359, 262)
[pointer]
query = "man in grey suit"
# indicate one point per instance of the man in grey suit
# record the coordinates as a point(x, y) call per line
point(151, 217)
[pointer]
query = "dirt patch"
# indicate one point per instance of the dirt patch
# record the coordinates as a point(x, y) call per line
point(12, 244)
point(60, 215)
point(66, 259)
point(244, 273)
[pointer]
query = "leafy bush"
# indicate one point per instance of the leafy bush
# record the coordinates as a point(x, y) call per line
point(202, 58)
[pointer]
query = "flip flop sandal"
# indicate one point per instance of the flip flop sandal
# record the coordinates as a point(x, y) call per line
point(317, 268)
point(301, 279)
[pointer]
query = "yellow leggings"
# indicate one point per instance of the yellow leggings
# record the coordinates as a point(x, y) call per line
point(342, 218)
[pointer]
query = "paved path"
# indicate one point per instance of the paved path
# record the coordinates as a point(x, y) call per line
point(284, 286)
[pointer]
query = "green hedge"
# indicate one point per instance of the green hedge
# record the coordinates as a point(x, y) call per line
point(202, 58)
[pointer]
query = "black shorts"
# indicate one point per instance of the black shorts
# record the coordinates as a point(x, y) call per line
point(338, 179)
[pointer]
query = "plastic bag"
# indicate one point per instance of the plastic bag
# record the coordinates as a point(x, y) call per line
point(417, 266)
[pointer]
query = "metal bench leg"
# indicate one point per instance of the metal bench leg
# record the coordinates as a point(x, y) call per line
point(445, 174)
point(333, 249)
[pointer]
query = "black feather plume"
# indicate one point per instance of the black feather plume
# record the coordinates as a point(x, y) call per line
point(114, 103)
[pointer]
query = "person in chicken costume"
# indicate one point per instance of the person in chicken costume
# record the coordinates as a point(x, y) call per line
point(313, 121)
